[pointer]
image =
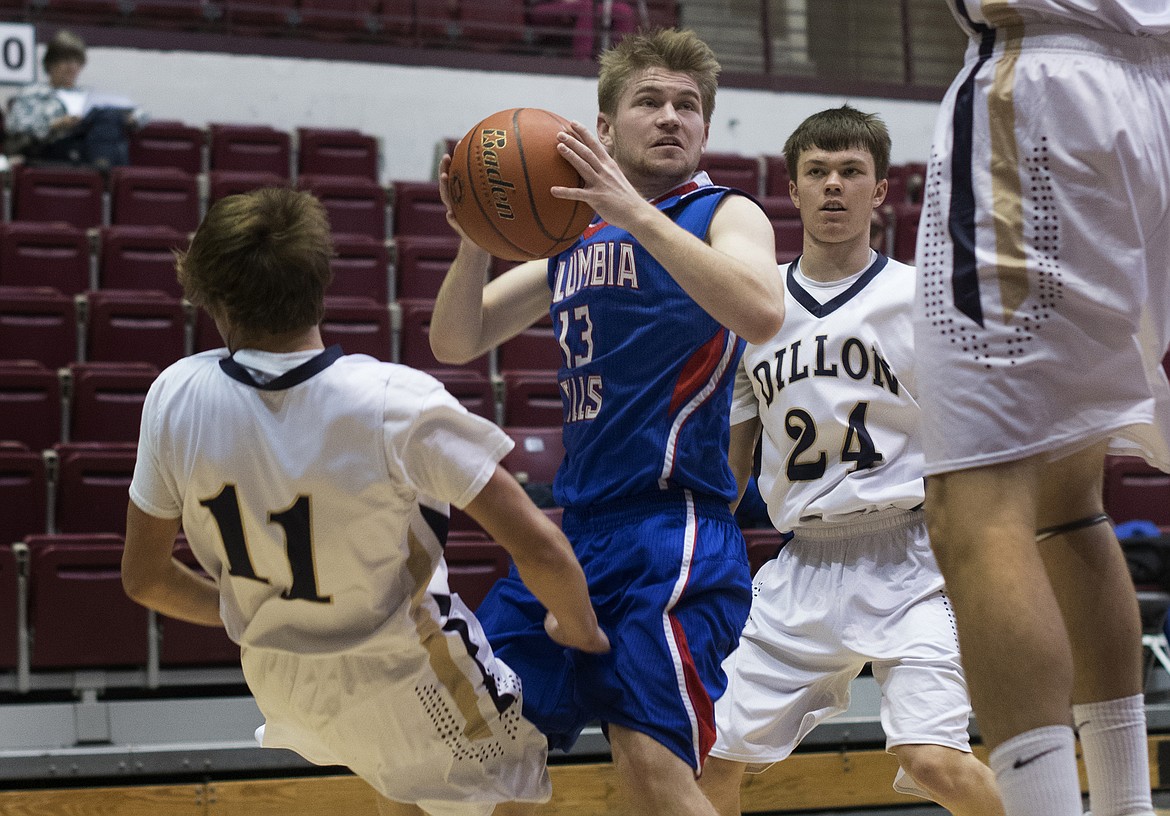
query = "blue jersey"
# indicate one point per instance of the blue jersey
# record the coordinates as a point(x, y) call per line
point(647, 374)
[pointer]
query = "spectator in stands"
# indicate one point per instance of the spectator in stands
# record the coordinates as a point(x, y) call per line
point(59, 121)
point(314, 487)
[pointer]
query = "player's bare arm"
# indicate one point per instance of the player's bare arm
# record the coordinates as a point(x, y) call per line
point(544, 559)
point(471, 318)
point(741, 452)
point(733, 277)
point(152, 577)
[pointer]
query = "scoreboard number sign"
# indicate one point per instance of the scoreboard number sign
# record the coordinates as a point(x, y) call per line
point(18, 53)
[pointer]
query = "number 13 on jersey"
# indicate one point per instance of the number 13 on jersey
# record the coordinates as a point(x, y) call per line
point(582, 393)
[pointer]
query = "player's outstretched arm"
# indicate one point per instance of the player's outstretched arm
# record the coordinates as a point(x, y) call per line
point(543, 558)
point(152, 577)
point(732, 275)
point(471, 318)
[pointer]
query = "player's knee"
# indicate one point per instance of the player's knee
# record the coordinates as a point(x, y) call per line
point(945, 773)
point(721, 776)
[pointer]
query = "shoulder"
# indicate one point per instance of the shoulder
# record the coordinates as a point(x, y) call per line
point(406, 393)
point(174, 376)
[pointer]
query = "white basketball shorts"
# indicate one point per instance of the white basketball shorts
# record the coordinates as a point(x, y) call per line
point(835, 598)
point(1043, 306)
point(434, 721)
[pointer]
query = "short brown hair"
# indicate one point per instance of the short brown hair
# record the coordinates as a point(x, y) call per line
point(65, 45)
point(261, 260)
point(842, 128)
point(667, 48)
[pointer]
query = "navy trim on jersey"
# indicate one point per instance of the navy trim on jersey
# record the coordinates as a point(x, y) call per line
point(978, 28)
point(439, 523)
point(289, 378)
point(687, 198)
point(501, 701)
point(816, 309)
point(961, 216)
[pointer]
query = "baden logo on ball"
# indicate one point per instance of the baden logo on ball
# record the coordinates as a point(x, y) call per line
point(499, 186)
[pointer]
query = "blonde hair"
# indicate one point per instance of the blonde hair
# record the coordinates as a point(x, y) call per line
point(666, 48)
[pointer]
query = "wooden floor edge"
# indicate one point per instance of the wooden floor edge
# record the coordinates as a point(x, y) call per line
point(805, 781)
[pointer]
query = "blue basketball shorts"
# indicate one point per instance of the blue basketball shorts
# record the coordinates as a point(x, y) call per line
point(668, 575)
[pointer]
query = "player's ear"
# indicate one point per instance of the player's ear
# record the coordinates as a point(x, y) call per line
point(604, 131)
point(879, 193)
point(794, 193)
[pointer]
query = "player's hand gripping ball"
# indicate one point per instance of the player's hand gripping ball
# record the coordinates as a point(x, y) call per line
point(499, 181)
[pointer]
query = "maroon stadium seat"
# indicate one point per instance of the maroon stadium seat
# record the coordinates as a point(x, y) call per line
point(125, 325)
point(9, 607)
point(149, 196)
point(474, 563)
point(414, 343)
point(168, 144)
point(37, 323)
point(336, 152)
point(733, 170)
point(359, 325)
point(361, 267)
point(418, 210)
point(24, 493)
point(92, 483)
point(532, 398)
point(72, 195)
point(421, 263)
point(141, 258)
point(106, 400)
point(537, 455)
point(471, 388)
point(354, 203)
point(30, 403)
point(249, 148)
point(79, 614)
point(34, 253)
point(1135, 490)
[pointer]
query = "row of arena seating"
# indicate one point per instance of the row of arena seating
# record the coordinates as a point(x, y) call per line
point(77, 570)
point(102, 401)
point(362, 212)
point(166, 196)
point(550, 26)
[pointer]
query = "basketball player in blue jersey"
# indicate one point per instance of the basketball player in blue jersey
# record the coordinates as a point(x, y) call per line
point(1043, 313)
point(648, 308)
point(314, 487)
point(831, 401)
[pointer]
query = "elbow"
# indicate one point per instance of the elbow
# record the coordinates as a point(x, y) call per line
point(448, 353)
point(139, 588)
point(764, 322)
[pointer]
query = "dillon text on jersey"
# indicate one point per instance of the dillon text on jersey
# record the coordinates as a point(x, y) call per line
point(852, 360)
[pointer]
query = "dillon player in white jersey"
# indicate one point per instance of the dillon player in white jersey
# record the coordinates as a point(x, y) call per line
point(1043, 313)
point(833, 393)
point(314, 488)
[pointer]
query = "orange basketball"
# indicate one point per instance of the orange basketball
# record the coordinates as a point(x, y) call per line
point(499, 182)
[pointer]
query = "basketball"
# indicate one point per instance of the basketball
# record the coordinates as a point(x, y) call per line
point(499, 181)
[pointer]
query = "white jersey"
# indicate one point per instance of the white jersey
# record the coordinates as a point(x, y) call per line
point(835, 393)
point(1139, 17)
point(306, 497)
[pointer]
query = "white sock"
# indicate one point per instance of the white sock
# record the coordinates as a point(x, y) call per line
point(1113, 741)
point(1037, 773)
